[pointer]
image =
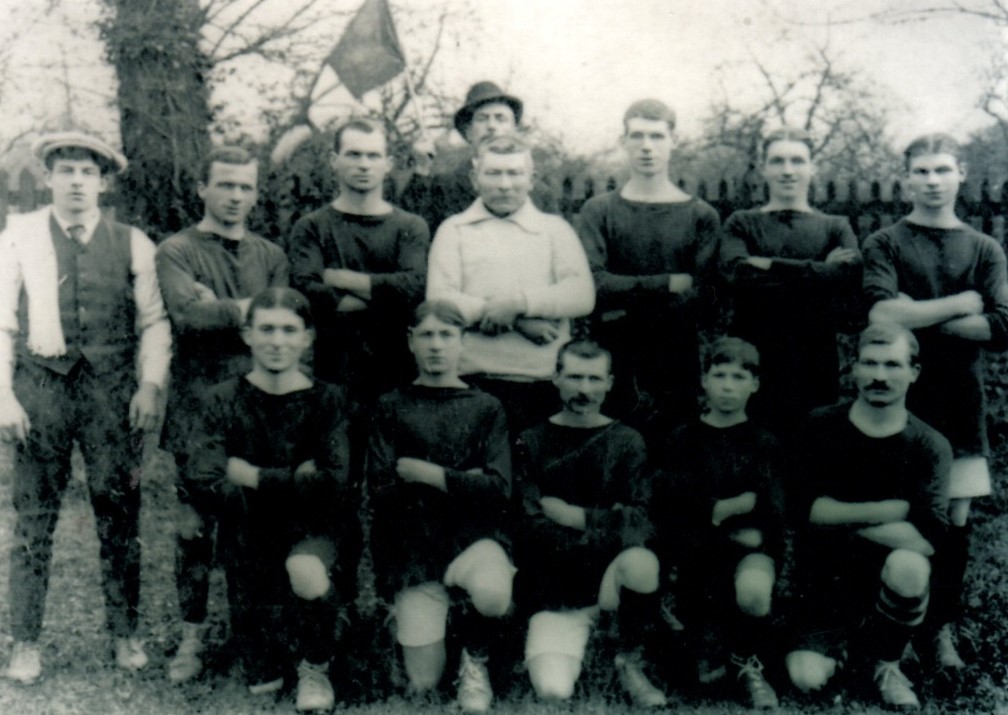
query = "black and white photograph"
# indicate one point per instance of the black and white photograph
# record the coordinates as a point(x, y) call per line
point(456, 356)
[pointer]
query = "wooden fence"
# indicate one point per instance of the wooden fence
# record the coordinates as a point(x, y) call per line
point(868, 205)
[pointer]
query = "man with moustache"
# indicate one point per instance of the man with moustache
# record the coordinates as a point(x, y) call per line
point(870, 506)
point(518, 276)
point(208, 275)
point(361, 261)
point(487, 112)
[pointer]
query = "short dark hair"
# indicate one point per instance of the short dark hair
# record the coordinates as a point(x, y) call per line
point(887, 334)
point(239, 156)
point(359, 124)
point(502, 144)
point(937, 143)
point(582, 348)
point(653, 109)
point(287, 298)
point(78, 153)
point(728, 350)
point(786, 134)
point(445, 311)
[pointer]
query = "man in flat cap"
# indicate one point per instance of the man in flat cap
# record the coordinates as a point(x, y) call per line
point(488, 112)
point(84, 351)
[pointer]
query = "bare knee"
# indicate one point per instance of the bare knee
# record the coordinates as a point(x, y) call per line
point(490, 593)
point(309, 578)
point(907, 573)
point(553, 675)
point(809, 670)
point(637, 569)
point(754, 581)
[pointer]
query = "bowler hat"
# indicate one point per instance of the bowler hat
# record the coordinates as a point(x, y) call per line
point(484, 93)
point(48, 143)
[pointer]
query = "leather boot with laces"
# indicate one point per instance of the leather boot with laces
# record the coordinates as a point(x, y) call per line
point(314, 691)
point(636, 684)
point(946, 652)
point(187, 663)
point(25, 664)
point(894, 687)
point(761, 694)
point(474, 691)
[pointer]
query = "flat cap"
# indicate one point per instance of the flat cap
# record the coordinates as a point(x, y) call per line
point(48, 143)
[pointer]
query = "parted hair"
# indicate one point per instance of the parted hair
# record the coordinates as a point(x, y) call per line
point(887, 334)
point(729, 350)
point(287, 298)
point(358, 124)
point(786, 134)
point(937, 143)
point(236, 155)
point(582, 348)
point(445, 311)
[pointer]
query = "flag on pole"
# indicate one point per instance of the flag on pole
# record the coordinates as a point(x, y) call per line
point(368, 54)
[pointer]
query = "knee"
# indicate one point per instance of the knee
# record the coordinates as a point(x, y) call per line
point(637, 570)
point(907, 573)
point(809, 670)
point(490, 592)
point(754, 582)
point(424, 665)
point(553, 675)
point(309, 578)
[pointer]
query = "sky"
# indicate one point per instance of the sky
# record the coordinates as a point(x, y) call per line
point(579, 63)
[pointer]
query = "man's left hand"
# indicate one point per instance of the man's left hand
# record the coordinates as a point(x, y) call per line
point(145, 408)
point(500, 313)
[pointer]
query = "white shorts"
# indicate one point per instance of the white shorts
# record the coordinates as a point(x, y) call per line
point(560, 633)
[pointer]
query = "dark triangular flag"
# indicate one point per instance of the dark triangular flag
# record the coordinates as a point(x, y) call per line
point(368, 54)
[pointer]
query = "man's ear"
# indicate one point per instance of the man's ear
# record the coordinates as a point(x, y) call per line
point(246, 334)
point(755, 383)
point(962, 170)
point(915, 371)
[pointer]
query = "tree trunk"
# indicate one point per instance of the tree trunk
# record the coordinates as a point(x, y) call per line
point(164, 109)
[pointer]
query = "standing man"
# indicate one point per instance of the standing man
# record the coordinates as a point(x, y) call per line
point(361, 261)
point(932, 273)
point(84, 351)
point(870, 505)
point(652, 249)
point(518, 275)
point(488, 112)
point(208, 274)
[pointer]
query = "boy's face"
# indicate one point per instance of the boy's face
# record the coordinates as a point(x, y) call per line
point(583, 383)
point(278, 338)
point(230, 192)
point(362, 161)
point(933, 180)
point(648, 144)
point(788, 170)
point(76, 185)
point(436, 346)
point(728, 387)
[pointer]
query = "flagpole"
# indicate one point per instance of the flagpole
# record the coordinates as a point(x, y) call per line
point(413, 96)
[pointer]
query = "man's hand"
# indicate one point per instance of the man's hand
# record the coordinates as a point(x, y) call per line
point(345, 279)
point(14, 422)
point(679, 282)
point(842, 255)
point(306, 469)
point(145, 408)
point(500, 313)
point(749, 538)
point(733, 506)
point(541, 331)
point(351, 304)
point(761, 262)
point(204, 293)
point(562, 513)
point(242, 473)
point(188, 523)
point(421, 471)
point(970, 302)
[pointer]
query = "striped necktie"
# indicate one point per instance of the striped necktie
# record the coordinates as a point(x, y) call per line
point(76, 232)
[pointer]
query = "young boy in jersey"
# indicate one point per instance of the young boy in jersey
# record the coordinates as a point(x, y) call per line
point(717, 508)
point(579, 544)
point(272, 447)
point(438, 472)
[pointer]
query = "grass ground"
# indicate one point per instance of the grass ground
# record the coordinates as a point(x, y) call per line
point(79, 679)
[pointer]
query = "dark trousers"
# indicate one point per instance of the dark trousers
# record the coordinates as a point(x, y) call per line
point(93, 410)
